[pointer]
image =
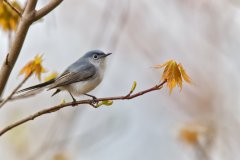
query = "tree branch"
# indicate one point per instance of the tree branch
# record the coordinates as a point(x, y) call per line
point(17, 44)
point(46, 9)
point(13, 8)
point(28, 17)
point(88, 101)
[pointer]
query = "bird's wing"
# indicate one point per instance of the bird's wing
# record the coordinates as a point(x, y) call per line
point(82, 73)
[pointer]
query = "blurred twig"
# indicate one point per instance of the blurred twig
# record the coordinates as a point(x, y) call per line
point(49, 140)
point(13, 8)
point(88, 101)
point(201, 153)
point(104, 21)
point(14, 91)
point(123, 19)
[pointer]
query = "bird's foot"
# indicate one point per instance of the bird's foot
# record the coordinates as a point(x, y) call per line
point(74, 101)
point(89, 95)
point(94, 101)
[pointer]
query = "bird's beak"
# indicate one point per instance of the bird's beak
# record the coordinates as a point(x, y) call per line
point(107, 54)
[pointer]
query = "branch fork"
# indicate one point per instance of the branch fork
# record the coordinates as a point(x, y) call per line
point(28, 16)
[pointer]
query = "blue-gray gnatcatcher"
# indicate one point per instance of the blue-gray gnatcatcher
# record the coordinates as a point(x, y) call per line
point(79, 78)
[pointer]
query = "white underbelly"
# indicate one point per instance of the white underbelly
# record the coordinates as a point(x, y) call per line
point(83, 87)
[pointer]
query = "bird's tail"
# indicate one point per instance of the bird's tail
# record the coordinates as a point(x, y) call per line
point(30, 91)
point(38, 86)
point(33, 90)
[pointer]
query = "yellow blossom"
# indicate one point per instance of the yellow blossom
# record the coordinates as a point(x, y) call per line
point(34, 66)
point(174, 74)
point(51, 76)
point(8, 17)
point(192, 133)
point(189, 136)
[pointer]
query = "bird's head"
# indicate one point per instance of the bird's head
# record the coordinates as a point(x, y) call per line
point(96, 57)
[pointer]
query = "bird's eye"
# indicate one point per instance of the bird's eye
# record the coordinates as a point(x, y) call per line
point(95, 56)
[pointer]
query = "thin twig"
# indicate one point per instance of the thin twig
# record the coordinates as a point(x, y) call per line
point(201, 152)
point(73, 104)
point(121, 25)
point(13, 8)
point(46, 9)
point(14, 91)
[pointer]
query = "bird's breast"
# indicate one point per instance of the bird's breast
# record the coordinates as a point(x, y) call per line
point(83, 87)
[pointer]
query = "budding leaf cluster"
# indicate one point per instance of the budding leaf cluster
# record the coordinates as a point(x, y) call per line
point(174, 74)
point(8, 17)
point(33, 66)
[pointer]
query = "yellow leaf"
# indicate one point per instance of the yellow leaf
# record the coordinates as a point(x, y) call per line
point(13, 24)
point(63, 101)
point(105, 102)
point(38, 68)
point(27, 69)
point(192, 133)
point(8, 17)
point(34, 66)
point(38, 59)
point(184, 74)
point(173, 73)
point(51, 76)
point(133, 86)
point(189, 136)
point(38, 72)
point(163, 65)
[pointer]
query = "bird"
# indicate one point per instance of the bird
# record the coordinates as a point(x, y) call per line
point(79, 78)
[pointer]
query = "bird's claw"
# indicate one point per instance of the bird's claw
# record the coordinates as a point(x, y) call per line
point(74, 102)
point(95, 100)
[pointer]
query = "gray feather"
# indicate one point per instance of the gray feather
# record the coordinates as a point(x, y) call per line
point(37, 86)
point(75, 73)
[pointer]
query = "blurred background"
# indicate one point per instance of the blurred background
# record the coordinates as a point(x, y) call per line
point(199, 123)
